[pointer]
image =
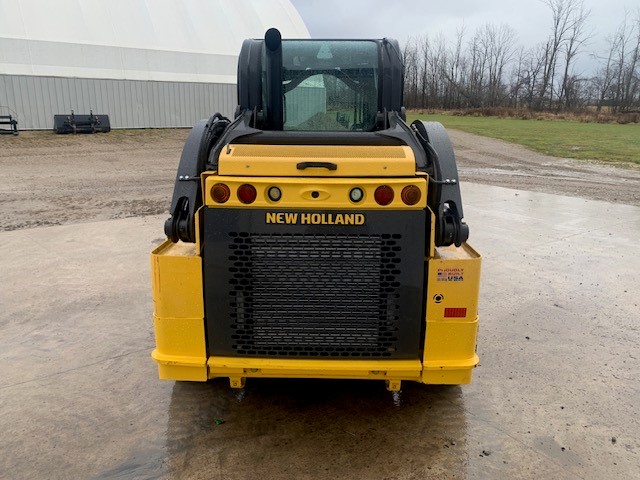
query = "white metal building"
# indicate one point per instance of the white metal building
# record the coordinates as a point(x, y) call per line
point(145, 63)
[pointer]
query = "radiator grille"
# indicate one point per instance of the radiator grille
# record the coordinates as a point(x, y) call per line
point(314, 295)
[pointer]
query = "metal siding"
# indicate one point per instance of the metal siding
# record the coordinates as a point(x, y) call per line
point(167, 101)
point(85, 104)
point(147, 103)
point(179, 102)
point(129, 103)
point(154, 109)
point(124, 101)
point(63, 96)
point(137, 104)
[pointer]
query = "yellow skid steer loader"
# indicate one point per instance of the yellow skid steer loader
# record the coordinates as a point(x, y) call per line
point(317, 234)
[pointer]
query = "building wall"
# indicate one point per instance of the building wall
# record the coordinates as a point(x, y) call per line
point(160, 63)
point(129, 103)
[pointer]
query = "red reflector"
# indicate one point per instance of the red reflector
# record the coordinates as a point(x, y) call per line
point(455, 312)
point(246, 193)
point(383, 195)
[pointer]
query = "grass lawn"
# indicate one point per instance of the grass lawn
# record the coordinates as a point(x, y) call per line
point(598, 141)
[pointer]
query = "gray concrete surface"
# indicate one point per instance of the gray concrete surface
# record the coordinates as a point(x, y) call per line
point(555, 396)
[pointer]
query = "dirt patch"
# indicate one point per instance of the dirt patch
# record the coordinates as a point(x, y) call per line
point(52, 179)
point(56, 179)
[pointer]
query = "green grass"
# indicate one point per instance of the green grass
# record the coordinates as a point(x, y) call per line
point(604, 142)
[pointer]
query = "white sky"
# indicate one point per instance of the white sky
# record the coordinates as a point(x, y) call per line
point(402, 18)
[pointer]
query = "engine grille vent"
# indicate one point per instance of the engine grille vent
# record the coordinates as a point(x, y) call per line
point(314, 295)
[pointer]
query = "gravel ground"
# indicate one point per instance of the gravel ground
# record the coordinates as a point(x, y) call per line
point(53, 179)
point(59, 179)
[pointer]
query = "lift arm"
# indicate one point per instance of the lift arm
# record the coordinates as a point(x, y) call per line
point(187, 196)
point(444, 186)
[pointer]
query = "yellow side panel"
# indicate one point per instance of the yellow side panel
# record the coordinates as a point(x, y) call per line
point(177, 280)
point(453, 283)
point(351, 160)
point(183, 337)
point(178, 312)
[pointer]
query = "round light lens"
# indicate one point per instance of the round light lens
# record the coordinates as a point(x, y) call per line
point(356, 194)
point(247, 193)
point(275, 194)
point(383, 195)
point(411, 194)
point(220, 193)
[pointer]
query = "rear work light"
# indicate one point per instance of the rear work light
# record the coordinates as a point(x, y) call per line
point(274, 194)
point(220, 193)
point(410, 195)
point(356, 194)
point(247, 193)
point(383, 195)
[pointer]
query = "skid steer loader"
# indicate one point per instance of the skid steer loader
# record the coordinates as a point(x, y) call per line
point(317, 234)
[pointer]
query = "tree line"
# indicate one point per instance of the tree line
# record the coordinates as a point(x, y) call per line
point(489, 69)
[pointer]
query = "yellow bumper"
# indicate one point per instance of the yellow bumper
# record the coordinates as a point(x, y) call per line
point(237, 369)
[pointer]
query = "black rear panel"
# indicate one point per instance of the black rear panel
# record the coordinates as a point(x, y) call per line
point(298, 290)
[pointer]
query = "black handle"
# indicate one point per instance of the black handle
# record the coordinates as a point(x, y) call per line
point(327, 165)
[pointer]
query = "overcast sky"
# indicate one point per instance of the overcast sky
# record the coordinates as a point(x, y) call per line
point(531, 19)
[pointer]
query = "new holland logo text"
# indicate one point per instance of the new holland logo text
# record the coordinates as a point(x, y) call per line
point(291, 218)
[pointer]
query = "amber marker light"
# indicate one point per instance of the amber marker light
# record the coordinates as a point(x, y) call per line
point(383, 195)
point(247, 193)
point(220, 193)
point(410, 195)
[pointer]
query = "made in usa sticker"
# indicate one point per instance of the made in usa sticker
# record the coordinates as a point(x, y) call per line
point(451, 274)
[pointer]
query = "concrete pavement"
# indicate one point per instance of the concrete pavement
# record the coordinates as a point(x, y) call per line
point(555, 395)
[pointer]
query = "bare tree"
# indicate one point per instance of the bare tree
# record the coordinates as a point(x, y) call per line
point(604, 78)
point(621, 76)
point(562, 13)
point(489, 69)
point(500, 50)
point(630, 78)
point(576, 38)
point(410, 60)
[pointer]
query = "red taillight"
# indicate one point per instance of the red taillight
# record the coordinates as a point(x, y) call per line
point(455, 312)
point(410, 195)
point(247, 193)
point(383, 195)
point(220, 193)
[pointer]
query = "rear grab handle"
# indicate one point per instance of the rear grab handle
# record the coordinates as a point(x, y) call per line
point(327, 165)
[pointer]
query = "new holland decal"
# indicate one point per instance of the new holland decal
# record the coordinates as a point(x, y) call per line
point(295, 218)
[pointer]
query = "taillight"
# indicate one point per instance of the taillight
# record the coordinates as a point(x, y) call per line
point(247, 193)
point(410, 195)
point(220, 193)
point(383, 195)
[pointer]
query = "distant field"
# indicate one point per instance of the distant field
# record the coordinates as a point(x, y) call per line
point(604, 142)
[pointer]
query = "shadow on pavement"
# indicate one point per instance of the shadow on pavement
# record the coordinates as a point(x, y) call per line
point(315, 429)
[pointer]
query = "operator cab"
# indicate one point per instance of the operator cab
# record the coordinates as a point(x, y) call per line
point(319, 85)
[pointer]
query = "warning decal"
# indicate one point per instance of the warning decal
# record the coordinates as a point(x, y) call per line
point(451, 274)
